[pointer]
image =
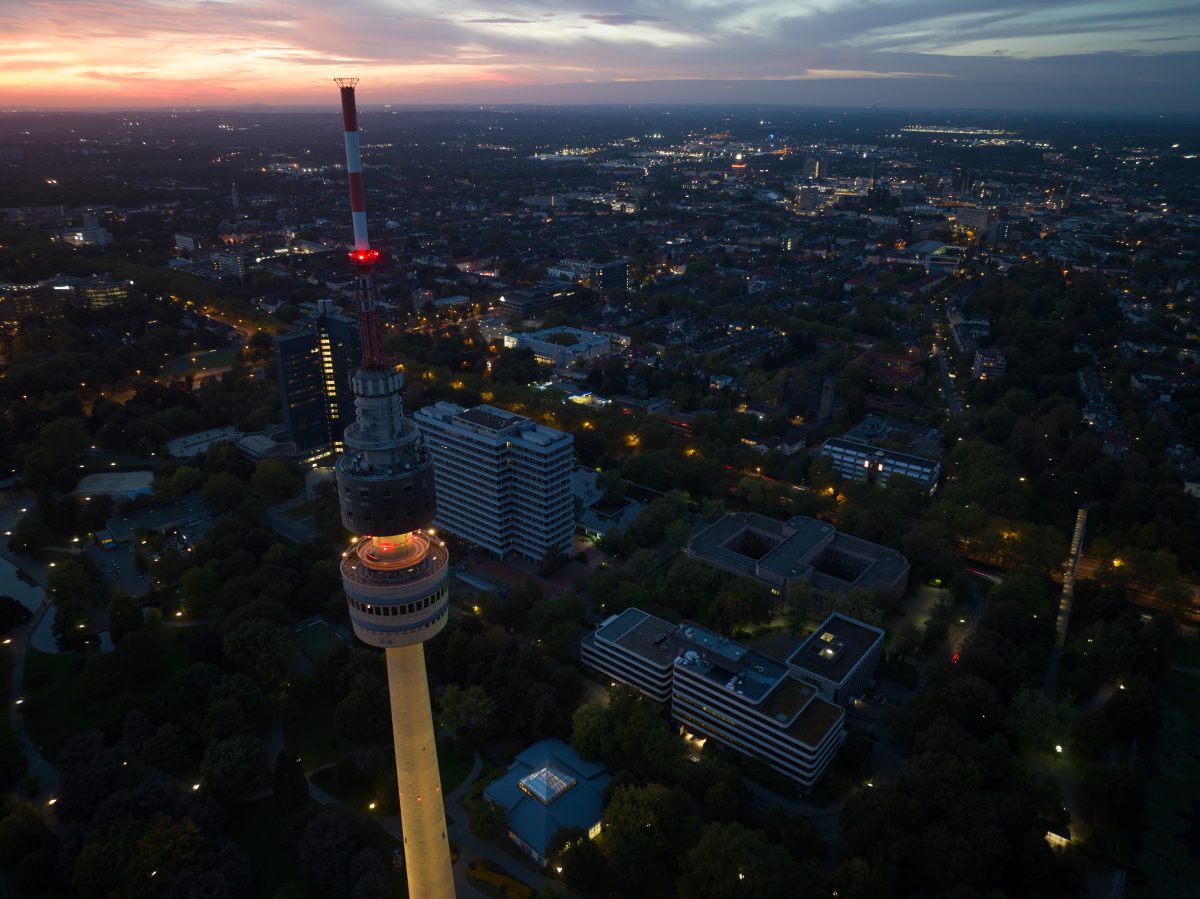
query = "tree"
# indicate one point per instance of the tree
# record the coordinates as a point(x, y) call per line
point(124, 616)
point(12, 614)
point(224, 492)
point(274, 480)
point(487, 820)
point(167, 749)
point(467, 711)
point(289, 783)
point(233, 767)
point(1036, 724)
point(730, 861)
point(1091, 735)
point(590, 731)
point(858, 878)
point(262, 649)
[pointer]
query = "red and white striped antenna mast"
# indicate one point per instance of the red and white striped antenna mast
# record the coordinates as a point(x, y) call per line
point(362, 256)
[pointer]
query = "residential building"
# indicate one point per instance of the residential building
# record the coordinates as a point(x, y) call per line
point(783, 555)
point(503, 481)
point(862, 461)
point(314, 363)
point(988, 365)
point(719, 689)
point(838, 658)
point(605, 276)
point(546, 788)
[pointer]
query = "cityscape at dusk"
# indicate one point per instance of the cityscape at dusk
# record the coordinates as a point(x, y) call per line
point(598, 452)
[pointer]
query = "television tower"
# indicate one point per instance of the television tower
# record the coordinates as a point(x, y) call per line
point(395, 575)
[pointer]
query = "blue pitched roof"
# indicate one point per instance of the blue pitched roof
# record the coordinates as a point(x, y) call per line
point(578, 806)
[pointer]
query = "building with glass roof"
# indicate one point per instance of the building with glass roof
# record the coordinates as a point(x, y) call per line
point(548, 787)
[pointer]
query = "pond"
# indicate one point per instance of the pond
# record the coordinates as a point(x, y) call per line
point(19, 586)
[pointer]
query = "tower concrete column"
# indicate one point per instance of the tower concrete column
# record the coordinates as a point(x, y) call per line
point(422, 814)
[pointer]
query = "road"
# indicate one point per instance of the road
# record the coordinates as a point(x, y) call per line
point(953, 403)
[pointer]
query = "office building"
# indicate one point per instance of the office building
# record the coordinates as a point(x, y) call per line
point(838, 658)
point(314, 363)
point(90, 234)
point(531, 301)
point(782, 555)
point(563, 345)
point(549, 787)
point(503, 481)
point(633, 648)
point(864, 462)
point(719, 689)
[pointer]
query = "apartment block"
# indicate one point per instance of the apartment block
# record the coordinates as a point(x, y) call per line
point(503, 481)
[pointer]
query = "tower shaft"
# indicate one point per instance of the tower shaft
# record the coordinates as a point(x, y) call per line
point(426, 849)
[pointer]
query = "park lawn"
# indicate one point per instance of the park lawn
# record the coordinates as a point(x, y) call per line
point(304, 510)
point(317, 640)
point(454, 764)
point(257, 827)
point(312, 735)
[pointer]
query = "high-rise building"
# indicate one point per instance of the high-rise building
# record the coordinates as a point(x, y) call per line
point(503, 481)
point(395, 575)
point(314, 363)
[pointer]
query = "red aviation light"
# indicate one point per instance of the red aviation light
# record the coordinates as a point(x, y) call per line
point(364, 257)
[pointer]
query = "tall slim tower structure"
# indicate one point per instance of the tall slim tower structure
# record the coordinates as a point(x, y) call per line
point(395, 575)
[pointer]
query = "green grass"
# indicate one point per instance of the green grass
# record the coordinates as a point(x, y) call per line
point(318, 640)
point(455, 765)
point(304, 510)
point(257, 828)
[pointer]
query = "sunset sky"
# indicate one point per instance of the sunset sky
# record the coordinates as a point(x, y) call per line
point(1119, 55)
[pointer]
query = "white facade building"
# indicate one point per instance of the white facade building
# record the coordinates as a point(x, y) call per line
point(503, 481)
point(717, 688)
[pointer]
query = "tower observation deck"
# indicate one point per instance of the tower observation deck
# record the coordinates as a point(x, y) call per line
point(395, 574)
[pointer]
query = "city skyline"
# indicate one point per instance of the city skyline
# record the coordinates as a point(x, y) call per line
point(1080, 55)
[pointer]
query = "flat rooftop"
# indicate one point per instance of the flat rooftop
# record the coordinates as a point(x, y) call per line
point(793, 556)
point(834, 648)
point(486, 417)
point(642, 634)
point(818, 718)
